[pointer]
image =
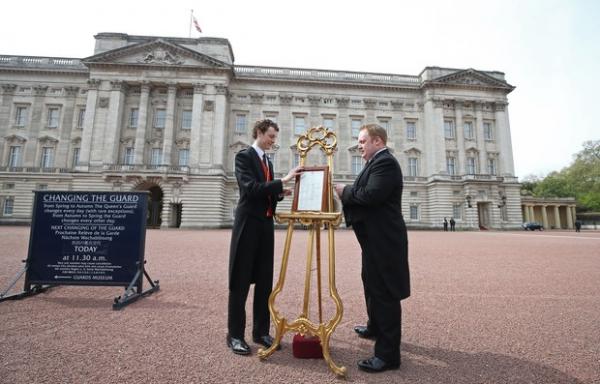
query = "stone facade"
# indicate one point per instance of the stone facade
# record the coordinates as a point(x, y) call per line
point(167, 115)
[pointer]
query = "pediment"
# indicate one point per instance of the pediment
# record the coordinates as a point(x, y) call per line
point(15, 139)
point(155, 53)
point(414, 150)
point(471, 78)
point(48, 139)
point(239, 145)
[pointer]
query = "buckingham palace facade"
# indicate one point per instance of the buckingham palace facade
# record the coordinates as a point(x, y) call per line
point(167, 115)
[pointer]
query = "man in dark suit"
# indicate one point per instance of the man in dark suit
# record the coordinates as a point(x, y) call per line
point(251, 251)
point(373, 207)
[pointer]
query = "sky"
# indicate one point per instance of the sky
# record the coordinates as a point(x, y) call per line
point(548, 49)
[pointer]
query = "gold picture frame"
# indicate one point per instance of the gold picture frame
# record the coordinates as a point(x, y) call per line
point(311, 190)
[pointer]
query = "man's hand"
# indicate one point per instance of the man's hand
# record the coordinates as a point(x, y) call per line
point(292, 174)
point(339, 189)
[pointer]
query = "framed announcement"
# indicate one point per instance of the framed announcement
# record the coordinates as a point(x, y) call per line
point(311, 191)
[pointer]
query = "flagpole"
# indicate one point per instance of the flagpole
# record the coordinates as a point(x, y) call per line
point(191, 18)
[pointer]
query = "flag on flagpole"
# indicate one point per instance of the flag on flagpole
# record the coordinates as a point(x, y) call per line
point(196, 25)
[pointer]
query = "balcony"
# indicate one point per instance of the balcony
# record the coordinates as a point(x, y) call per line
point(145, 171)
point(34, 170)
point(312, 75)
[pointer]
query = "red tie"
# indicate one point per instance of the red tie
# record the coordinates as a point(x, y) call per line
point(265, 168)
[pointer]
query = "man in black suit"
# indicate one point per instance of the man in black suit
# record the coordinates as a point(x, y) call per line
point(251, 250)
point(373, 207)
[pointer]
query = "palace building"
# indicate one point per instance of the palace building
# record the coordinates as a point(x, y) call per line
point(167, 115)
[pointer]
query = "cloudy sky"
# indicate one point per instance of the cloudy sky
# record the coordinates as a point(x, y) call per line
point(548, 49)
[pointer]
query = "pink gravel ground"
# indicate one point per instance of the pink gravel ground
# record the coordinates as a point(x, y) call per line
point(487, 307)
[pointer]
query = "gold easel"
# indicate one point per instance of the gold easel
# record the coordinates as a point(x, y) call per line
point(327, 142)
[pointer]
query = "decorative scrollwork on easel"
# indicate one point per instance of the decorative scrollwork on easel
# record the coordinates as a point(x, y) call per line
point(320, 136)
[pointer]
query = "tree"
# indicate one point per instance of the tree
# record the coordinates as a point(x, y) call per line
point(581, 179)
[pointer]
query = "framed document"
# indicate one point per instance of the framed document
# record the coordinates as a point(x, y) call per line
point(311, 191)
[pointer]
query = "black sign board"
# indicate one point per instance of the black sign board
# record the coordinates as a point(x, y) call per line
point(88, 238)
point(94, 238)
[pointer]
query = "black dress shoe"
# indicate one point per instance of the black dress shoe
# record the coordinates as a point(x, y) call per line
point(365, 332)
point(238, 346)
point(375, 364)
point(265, 341)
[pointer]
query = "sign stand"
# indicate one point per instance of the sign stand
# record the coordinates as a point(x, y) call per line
point(86, 238)
point(313, 206)
point(130, 295)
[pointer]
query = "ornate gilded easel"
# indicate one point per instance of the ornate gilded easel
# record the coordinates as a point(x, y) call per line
point(327, 218)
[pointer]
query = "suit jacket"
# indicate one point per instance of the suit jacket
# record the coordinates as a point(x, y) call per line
point(255, 196)
point(373, 206)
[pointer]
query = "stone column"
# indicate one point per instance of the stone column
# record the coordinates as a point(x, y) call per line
point(557, 218)
point(219, 138)
point(545, 217)
point(344, 137)
point(480, 138)
point(574, 212)
point(113, 124)
point(169, 124)
point(532, 213)
point(88, 125)
point(140, 133)
point(196, 125)
point(526, 212)
point(569, 217)
point(502, 127)
point(435, 149)
point(460, 139)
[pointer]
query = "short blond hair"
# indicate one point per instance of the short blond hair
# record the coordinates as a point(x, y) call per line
point(375, 130)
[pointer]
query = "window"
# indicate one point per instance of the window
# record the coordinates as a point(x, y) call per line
point(491, 165)
point(468, 129)
point(160, 117)
point(186, 119)
point(414, 212)
point(296, 160)
point(240, 123)
point(75, 157)
point(488, 133)
point(451, 165)
point(385, 124)
point(414, 194)
point(355, 127)
point(471, 165)
point(21, 116)
point(299, 125)
point(53, 113)
point(413, 166)
point(449, 129)
point(80, 118)
point(184, 157)
point(8, 206)
point(47, 157)
point(14, 157)
point(328, 123)
point(128, 156)
point(156, 156)
point(133, 118)
point(357, 165)
point(457, 211)
point(8, 186)
point(411, 130)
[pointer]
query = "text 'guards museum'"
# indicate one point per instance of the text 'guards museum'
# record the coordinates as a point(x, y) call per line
point(167, 115)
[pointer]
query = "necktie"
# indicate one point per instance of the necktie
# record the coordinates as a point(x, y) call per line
point(265, 167)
